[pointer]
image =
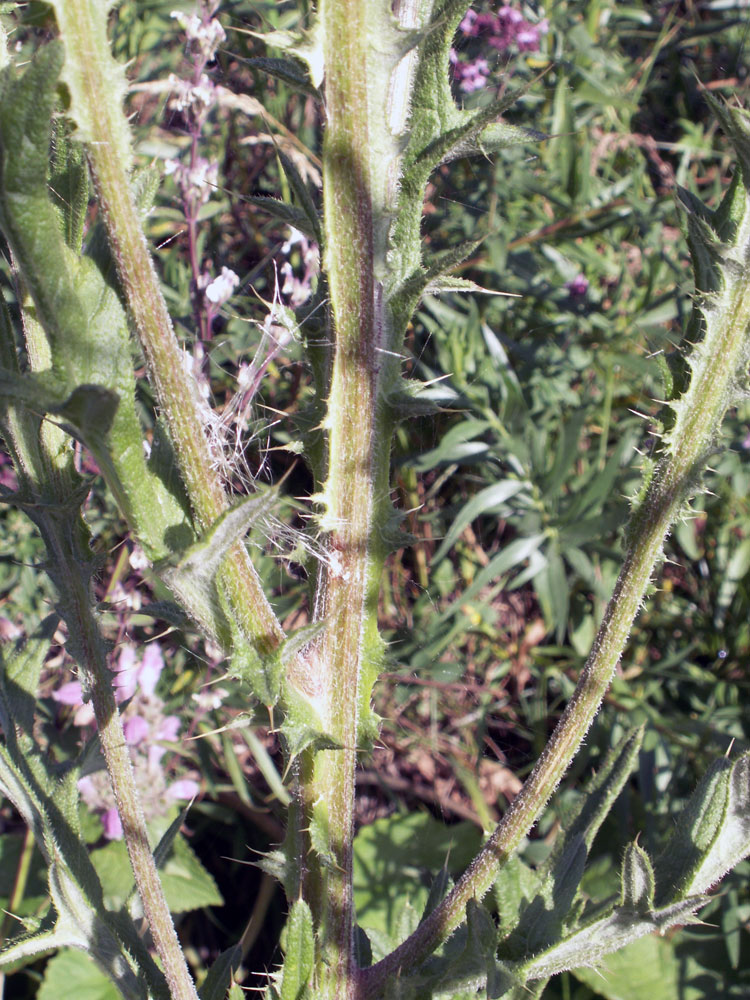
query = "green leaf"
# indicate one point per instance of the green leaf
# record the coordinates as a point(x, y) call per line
point(638, 882)
point(600, 795)
point(477, 133)
point(302, 727)
point(551, 586)
point(79, 309)
point(219, 977)
point(288, 70)
point(730, 843)
point(300, 952)
point(389, 855)
point(490, 500)
point(20, 669)
point(288, 214)
point(71, 973)
point(647, 969)
point(515, 885)
point(304, 45)
point(697, 830)
point(69, 184)
point(85, 38)
point(193, 573)
point(303, 196)
point(590, 944)
point(187, 884)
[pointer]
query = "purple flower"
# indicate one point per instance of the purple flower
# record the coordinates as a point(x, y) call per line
point(578, 286)
point(131, 676)
point(72, 694)
point(146, 728)
point(167, 733)
point(505, 30)
point(469, 24)
point(9, 630)
point(470, 76)
point(8, 477)
point(150, 670)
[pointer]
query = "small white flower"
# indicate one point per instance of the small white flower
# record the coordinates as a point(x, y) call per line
point(138, 559)
point(204, 35)
point(221, 288)
point(187, 96)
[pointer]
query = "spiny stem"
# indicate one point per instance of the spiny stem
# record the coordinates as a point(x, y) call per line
point(673, 483)
point(345, 589)
point(151, 318)
point(70, 568)
point(114, 746)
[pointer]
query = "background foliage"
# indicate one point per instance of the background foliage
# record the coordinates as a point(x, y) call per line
point(517, 493)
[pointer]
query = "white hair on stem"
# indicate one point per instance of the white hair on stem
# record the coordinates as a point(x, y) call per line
point(227, 430)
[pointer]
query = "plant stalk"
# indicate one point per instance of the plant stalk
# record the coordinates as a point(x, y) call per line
point(51, 479)
point(175, 390)
point(92, 657)
point(674, 481)
point(357, 461)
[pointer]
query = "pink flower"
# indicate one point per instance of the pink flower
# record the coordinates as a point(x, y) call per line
point(72, 694)
point(469, 24)
point(112, 824)
point(69, 694)
point(470, 76)
point(185, 788)
point(136, 730)
point(505, 30)
point(167, 731)
point(150, 670)
point(131, 676)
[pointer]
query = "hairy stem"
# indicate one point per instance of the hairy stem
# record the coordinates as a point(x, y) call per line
point(674, 481)
point(80, 29)
point(92, 658)
point(356, 463)
point(53, 481)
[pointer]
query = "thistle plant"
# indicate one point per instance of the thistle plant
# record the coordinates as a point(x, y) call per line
point(381, 74)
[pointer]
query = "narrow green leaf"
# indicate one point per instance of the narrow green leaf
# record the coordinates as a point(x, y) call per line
point(303, 196)
point(600, 795)
point(487, 501)
point(288, 214)
point(69, 183)
point(592, 943)
point(192, 574)
point(638, 882)
point(300, 952)
point(288, 71)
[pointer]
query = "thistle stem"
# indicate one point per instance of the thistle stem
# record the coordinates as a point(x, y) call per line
point(355, 465)
point(674, 481)
point(179, 403)
point(92, 657)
